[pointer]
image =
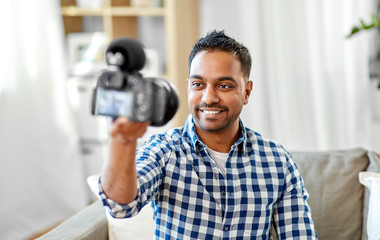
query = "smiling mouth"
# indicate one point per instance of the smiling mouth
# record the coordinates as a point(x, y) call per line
point(211, 109)
point(210, 112)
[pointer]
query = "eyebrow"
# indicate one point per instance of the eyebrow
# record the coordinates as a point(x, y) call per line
point(224, 78)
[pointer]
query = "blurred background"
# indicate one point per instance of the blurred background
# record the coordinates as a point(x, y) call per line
point(315, 88)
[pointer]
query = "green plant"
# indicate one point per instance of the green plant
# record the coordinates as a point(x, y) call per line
point(375, 23)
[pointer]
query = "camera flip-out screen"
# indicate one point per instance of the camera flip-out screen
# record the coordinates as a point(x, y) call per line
point(114, 103)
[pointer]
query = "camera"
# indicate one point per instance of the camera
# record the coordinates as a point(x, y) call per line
point(121, 90)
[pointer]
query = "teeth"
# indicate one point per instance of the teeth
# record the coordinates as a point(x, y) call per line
point(210, 112)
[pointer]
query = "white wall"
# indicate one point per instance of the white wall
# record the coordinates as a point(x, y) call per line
point(41, 171)
point(311, 85)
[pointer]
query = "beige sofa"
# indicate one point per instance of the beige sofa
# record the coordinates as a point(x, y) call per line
point(338, 201)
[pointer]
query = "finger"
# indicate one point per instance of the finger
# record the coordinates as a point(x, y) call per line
point(142, 129)
point(118, 125)
point(129, 130)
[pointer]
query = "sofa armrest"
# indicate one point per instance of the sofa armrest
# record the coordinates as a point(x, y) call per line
point(89, 223)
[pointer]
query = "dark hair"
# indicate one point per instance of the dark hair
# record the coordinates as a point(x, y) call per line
point(218, 40)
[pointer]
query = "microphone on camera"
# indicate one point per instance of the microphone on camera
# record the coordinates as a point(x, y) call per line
point(126, 53)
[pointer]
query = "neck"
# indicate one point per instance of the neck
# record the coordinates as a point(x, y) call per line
point(220, 141)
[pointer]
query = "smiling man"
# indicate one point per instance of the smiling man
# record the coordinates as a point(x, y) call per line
point(214, 178)
point(218, 89)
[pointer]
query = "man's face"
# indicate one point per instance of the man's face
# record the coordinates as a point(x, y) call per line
point(217, 90)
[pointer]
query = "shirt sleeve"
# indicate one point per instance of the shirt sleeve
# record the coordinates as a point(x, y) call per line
point(150, 166)
point(292, 215)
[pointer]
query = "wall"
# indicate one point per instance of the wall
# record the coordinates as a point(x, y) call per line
point(311, 84)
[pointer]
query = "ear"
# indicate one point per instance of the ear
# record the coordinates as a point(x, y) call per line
point(248, 90)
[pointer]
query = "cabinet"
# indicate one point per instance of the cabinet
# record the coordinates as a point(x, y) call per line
point(181, 20)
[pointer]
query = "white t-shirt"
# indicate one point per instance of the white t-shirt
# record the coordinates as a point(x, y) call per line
point(220, 159)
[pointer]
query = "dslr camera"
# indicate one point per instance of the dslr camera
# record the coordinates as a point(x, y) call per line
point(121, 90)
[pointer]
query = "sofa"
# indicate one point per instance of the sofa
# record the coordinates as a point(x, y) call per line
point(338, 200)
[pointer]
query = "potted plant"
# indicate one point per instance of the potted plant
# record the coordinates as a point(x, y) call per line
point(374, 64)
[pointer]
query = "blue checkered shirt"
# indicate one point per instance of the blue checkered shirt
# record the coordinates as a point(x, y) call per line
point(192, 199)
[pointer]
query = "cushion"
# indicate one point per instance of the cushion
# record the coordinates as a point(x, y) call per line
point(139, 227)
point(374, 166)
point(336, 196)
point(374, 162)
point(372, 181)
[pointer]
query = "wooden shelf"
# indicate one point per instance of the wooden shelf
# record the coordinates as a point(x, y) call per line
point(181, 19)
point(73, 11)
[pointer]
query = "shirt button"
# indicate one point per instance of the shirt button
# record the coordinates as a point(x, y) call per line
point(223, 192)
point(226, 229)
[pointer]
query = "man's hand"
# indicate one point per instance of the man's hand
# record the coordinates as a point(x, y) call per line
point(119, 177)
point(124, 131)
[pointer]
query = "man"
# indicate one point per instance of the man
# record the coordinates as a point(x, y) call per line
point(212, 178)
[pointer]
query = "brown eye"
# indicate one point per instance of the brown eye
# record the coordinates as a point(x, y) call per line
point(196, 84)
point(225, 86)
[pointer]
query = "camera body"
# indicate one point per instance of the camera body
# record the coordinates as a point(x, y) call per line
point(121, 90)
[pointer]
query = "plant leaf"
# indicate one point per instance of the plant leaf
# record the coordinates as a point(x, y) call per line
point(354, 30)
point(365, 26)
point(376, 19)
point(375, 22)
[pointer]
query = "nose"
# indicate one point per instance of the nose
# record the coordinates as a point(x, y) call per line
point(210, 96)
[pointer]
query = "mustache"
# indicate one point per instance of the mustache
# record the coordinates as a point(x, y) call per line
point(214, 105)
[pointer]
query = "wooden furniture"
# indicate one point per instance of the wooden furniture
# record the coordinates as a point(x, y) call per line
point(181, 19)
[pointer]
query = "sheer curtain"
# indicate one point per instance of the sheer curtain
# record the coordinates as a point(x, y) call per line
point(311, 84)
point(41, 179)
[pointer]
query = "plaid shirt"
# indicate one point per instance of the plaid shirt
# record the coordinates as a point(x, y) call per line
point(192, 199)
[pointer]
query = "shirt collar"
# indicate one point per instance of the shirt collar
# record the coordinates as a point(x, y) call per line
point(196, 142)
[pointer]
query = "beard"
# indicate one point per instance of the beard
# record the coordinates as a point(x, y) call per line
point(211, 124)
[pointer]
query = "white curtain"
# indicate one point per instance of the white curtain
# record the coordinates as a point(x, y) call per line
point(311, 83)
point(41, 175)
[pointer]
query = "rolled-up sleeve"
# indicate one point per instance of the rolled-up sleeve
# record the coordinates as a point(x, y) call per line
point(292, 215)
point(150, 166)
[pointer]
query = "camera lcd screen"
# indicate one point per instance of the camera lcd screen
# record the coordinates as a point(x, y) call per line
point(114, 103)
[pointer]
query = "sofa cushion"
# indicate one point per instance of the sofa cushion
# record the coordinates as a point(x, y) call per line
point(336, 196)
point(374, 162)
point(372, 181)
point(139, 227)
point(374, 166)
